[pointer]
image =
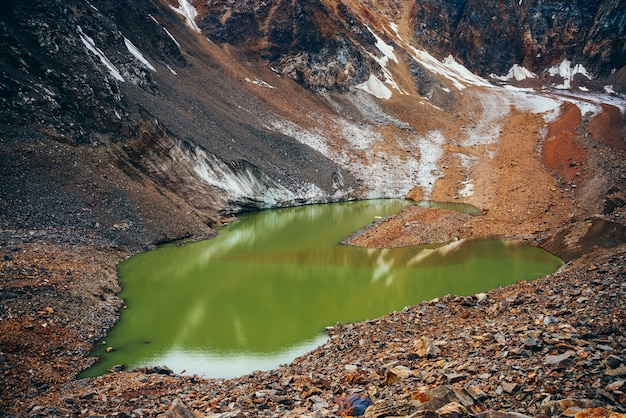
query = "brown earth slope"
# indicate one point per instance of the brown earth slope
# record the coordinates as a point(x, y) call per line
point(532, 187)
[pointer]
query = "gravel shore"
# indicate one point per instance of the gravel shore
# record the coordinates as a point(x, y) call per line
point(553, 346)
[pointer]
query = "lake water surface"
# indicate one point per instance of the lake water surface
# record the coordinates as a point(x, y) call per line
point(262, 292)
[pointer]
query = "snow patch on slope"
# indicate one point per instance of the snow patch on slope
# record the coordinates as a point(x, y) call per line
point(486, 130)
point(528, 101)
point(359, 136)
point(315, 140)
point(431, 150)
point(393, 174)
point(567, 72)
point(598, 99)
point(359, 149)
point(549, 104)
point(189, 12)
point(389, 174)
point(385, 49)
point(450, 69)
point(587, 108)
point(468, 188)
point(375, 87)
point(516, 72)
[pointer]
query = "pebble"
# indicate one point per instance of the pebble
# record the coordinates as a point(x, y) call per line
point(605, 347)
point(619, 371)
point(509, 387)
point(116, 368)
point(500, 414)
point(533, 343)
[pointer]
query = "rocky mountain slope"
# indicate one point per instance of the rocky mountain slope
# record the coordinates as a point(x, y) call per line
point(492, 36)
point(124, 125)
point(328, 43)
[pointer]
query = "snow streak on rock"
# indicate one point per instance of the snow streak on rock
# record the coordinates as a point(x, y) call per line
point(165, 29)
point(387, 51)
point(137, 54)
point(450, 69)
point(260, 83)
point(91, 46)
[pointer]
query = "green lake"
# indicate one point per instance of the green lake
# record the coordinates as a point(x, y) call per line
point(262, 292)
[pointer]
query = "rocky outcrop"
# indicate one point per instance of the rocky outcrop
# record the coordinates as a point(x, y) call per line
point(312, 42)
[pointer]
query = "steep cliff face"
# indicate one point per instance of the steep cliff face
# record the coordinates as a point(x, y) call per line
point(64, 63)
point(492, 36)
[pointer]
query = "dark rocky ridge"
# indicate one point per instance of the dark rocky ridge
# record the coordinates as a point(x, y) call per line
point(317, 44)
point(491, 36)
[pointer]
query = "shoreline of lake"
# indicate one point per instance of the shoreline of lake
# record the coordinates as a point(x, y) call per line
point(254, 294)
point(550, 346)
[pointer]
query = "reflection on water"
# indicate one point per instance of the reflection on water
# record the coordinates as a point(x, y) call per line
point(231, 364)
point(261, 292)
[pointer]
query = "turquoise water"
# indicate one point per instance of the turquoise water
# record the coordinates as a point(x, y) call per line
point(261, 293)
